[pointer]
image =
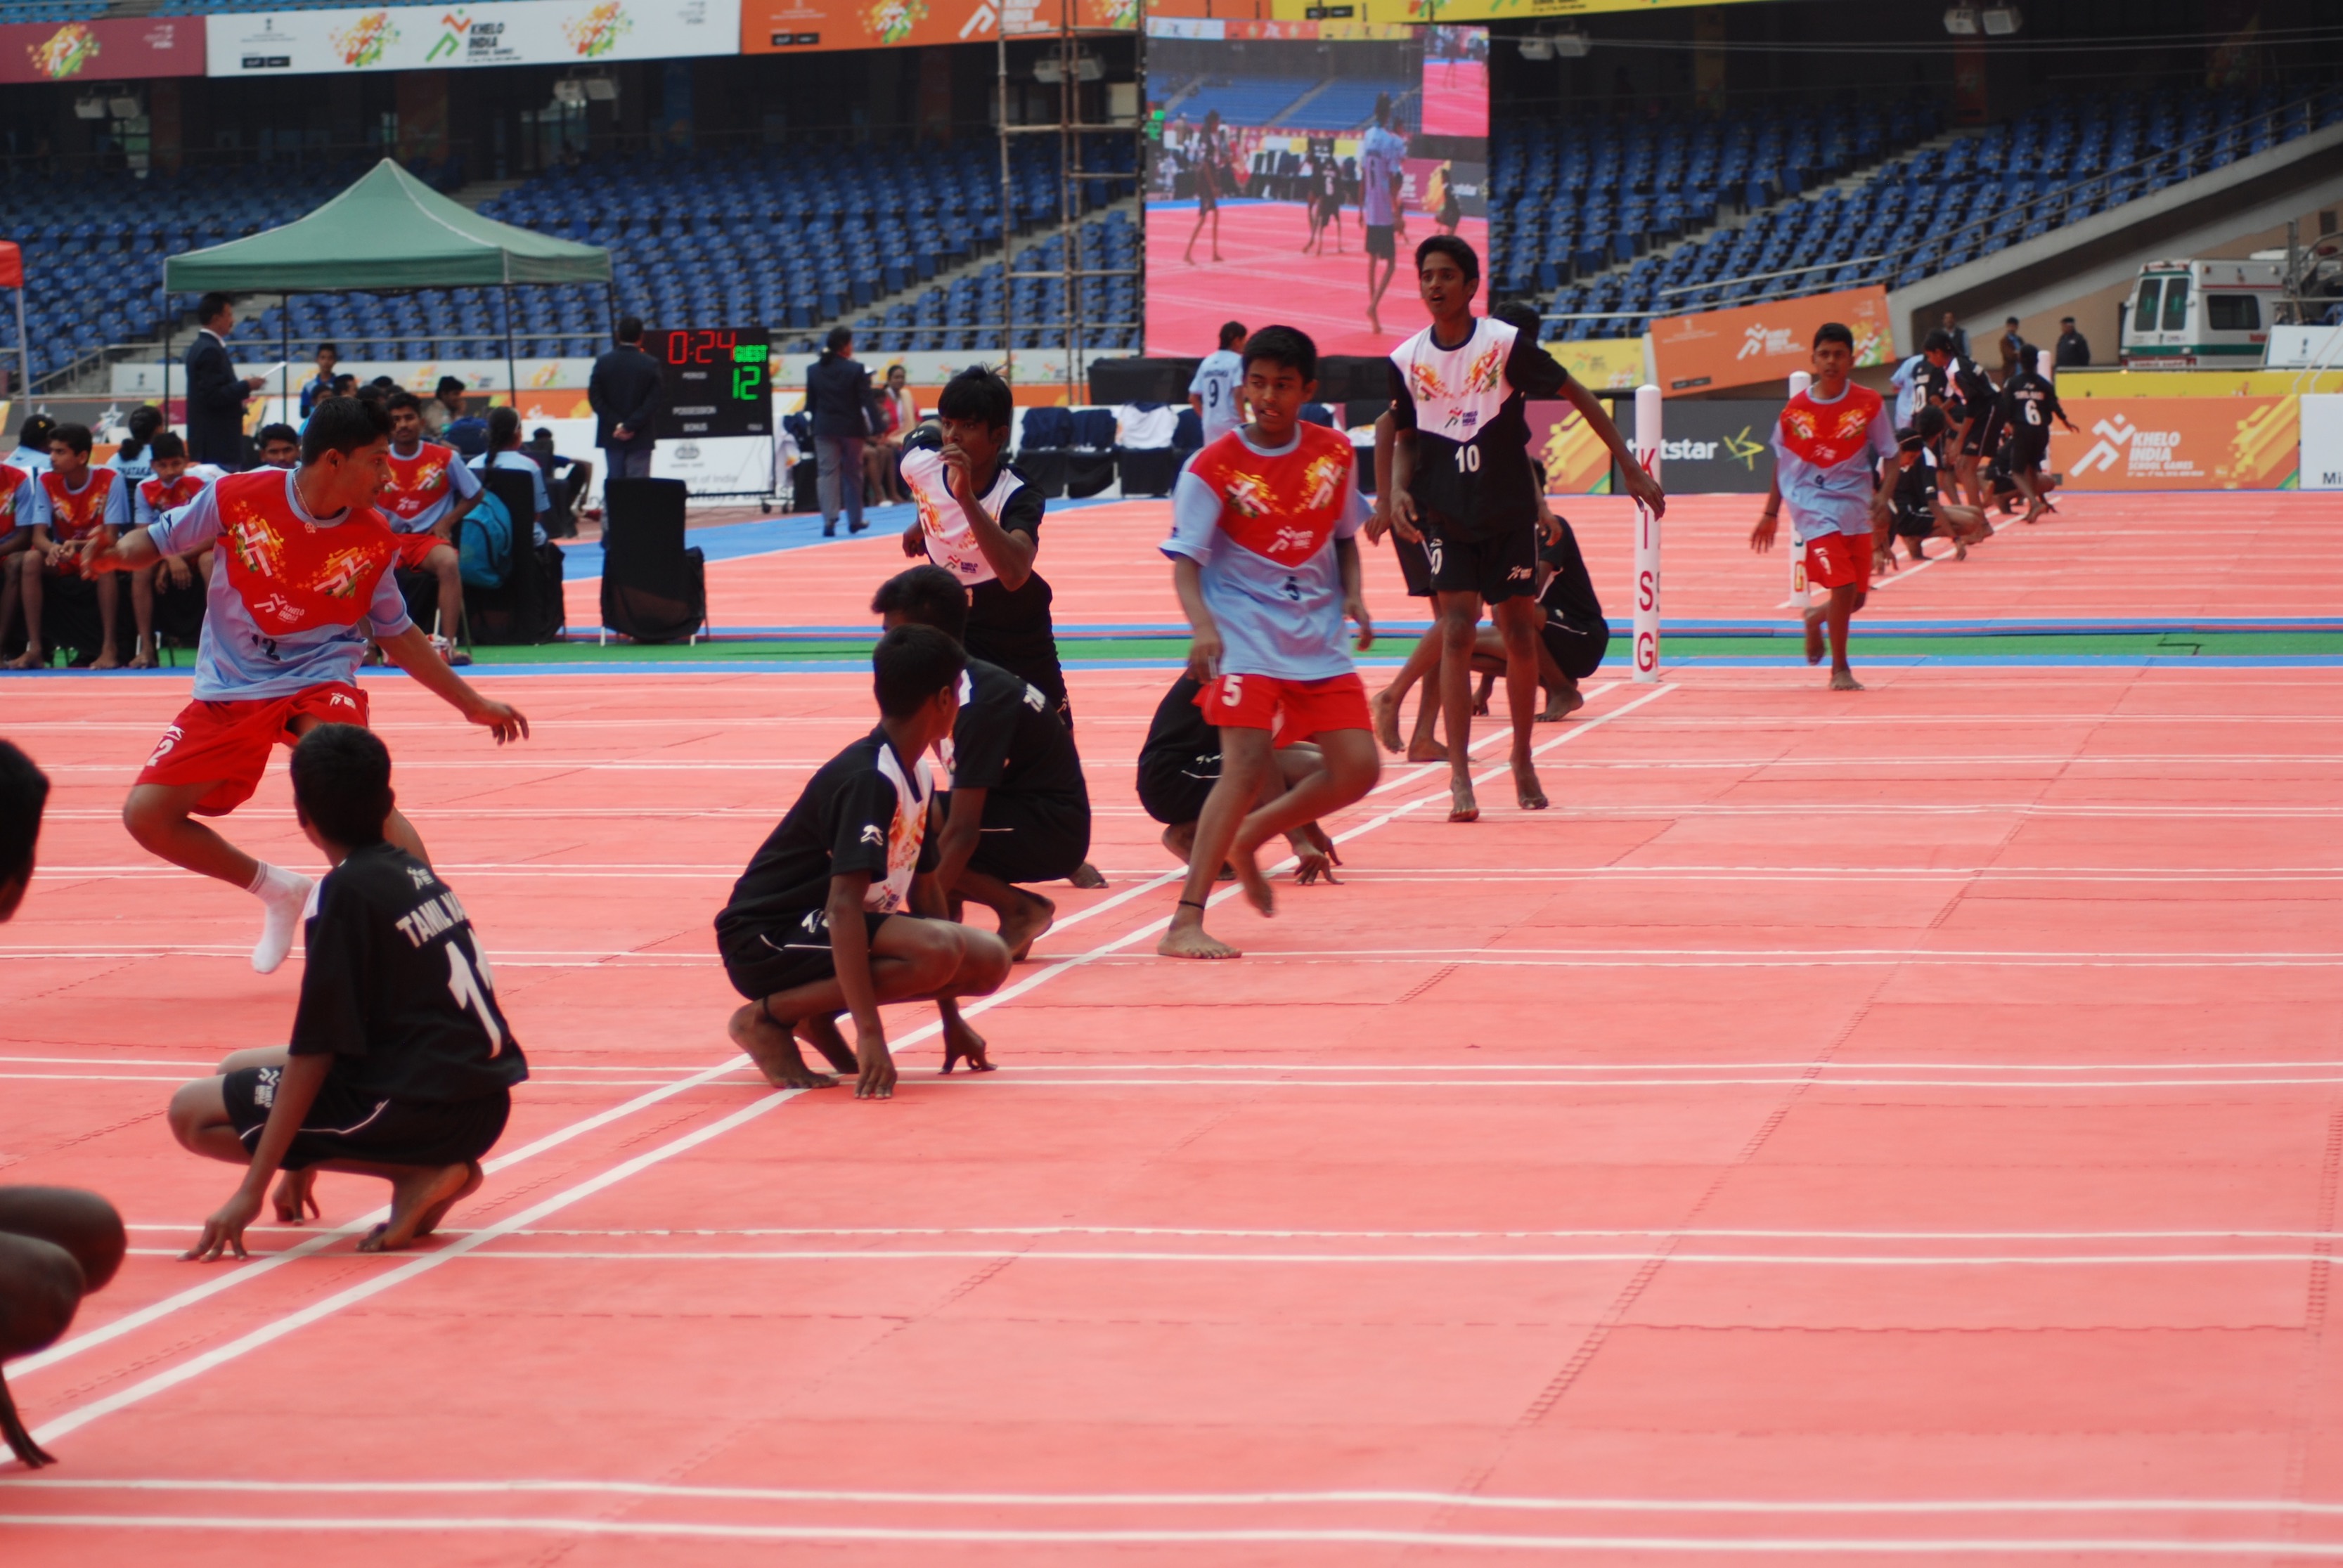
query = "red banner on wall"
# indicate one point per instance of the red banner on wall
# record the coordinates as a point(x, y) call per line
point(121, 49)
point(1754, 343)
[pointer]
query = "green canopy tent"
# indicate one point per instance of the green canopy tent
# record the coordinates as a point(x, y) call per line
point(389, 233)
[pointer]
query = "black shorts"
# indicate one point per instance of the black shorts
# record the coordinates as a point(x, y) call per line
point(1414, 564)
point(1984, 437)
point(1497, 569)
point(1380, 243)
point(1577, 649)
point(1174, 790)
point(346, 1123)
point(1916, 525)
point(2028, 451)
point(1028, 837)
point(791, 952)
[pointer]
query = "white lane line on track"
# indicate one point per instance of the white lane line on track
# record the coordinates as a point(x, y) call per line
point(1024, 1255)
point(172, 1376)
point(1911, 1546)
point(891, 1232)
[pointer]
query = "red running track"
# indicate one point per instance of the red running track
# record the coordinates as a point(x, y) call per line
point(1907, 1124)
point(2174, 557)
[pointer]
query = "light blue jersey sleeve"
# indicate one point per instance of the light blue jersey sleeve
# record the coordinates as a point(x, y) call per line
point(32, 503)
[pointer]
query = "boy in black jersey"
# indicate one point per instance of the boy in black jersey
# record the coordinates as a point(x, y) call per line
point(839, 910)
point(1461, 482)
point(1180, 761)
point(1018, 809)
point(1978, 416)
point(1572, 642)
point(401, 1065)
point(1922, 513)
point(2028, 404)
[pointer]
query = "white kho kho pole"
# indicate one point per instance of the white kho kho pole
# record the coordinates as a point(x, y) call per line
point(1799, 594)
point(1647, 540)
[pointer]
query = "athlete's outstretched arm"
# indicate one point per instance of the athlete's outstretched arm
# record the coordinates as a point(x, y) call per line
point(1639, 481)
point(411, 650)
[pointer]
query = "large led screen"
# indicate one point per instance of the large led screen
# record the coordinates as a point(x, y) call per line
point(1294, 168)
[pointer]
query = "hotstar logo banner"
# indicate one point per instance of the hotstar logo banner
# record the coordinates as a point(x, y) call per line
point(514, 33)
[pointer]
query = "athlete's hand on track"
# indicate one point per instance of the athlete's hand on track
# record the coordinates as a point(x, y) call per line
point(1356, 608)
point(1203, 655)
point(915, 539)
point(224, 1231)
point(1646, 489)
point(877, 1079)
point(502, 718)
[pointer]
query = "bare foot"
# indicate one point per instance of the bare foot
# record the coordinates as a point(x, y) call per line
point(110, 660)
point(1256, 887)
point(962, 1043)
point(297, 1198)
point(1960, 551)
point(1461, 806)
point(1187, 939)
point(1815, 634)
point(1560, 704)
point(1480, 707)
point(31, 659)
point(1180, 838)
point(1087, 876)
point(1385, 708)
point(774, 1050)
point(1844, 680)
point(1526, 787)
point(438, 1212)
point(1023, 926)
point(819, 1031)
point(1426, 751)
point(144, 658)
point(422, 1190)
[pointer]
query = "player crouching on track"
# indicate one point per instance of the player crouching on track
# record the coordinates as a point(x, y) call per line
point(1265, 559)
point(306, 558)
point(56, 1244)
point(1017, 809)
point(839, 910)
point(1825, 449)
point(1921, 511)
point(1180, 761)
point(401, 1065)
point(1572, 642)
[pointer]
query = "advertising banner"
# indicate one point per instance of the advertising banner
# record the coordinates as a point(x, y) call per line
point(800, 26)
point(2181, 443)
point(507, 33)
point(1577, 462)
point(1419, 11)
point(1605, 364)
point(1720, 447)
point(101, 50)
point(2322, 443)
point(1753, 343)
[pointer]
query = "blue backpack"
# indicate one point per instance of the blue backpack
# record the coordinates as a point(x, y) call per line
point(485, 547)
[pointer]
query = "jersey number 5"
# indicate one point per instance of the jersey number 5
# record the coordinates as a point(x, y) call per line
point(470, 989)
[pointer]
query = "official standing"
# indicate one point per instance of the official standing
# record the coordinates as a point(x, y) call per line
point(625, 391)
point(2073, 351)
point(215, 394)
point(838, 390)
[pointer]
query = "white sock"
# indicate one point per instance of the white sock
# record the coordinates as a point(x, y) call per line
point(284, 893)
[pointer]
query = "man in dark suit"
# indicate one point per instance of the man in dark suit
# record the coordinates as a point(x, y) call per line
point(2074, 351)
point(624, 391)
point(215, 394)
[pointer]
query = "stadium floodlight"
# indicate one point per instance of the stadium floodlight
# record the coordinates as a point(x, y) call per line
point(602, 89)
point(89, 108)
point(1961, 21)
point(124, 108)
point(1571, 45)
point(2001, 21)
point(1536, 49)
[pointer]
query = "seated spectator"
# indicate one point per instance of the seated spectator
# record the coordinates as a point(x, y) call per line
point(280, 446)
point(504, 452)
point(32, 453)
point(133, 459)
point(443, 407)
point(568, 481)
point(894, 415)
point(76, 501)
point(174, 483)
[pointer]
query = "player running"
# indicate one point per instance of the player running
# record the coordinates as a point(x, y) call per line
point(1461, 482)
point(2028, 402)
point(304, 557)
point(1826, 450)
point(1266, 564)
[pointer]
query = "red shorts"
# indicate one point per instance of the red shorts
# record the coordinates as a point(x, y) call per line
point(227, 744)
point(1834, 560)
point(413, 547)
point(1294, 709)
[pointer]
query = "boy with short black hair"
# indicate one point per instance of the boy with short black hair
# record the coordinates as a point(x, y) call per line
point(1266, 564)
point(840, 910)
point(1833, 450)
point(2028, 402)
point(305, 559)
point(425, 497)
point(1921, 511)
point(174, 483)
point(280, 445)
point(1017, 809)
point(1215, 391)
point(401, 1063)
point(78, 501)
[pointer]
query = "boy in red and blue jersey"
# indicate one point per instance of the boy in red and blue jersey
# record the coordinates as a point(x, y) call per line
point(77, 500)
point(1266, 564)
point(302, 557)
point(1833, 455)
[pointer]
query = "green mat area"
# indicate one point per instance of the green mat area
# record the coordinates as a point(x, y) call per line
point(1170, 650)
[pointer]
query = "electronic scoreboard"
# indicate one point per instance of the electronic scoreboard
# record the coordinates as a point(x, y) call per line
point(718, 382)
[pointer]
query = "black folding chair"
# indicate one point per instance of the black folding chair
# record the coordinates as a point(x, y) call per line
point(654, 587)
